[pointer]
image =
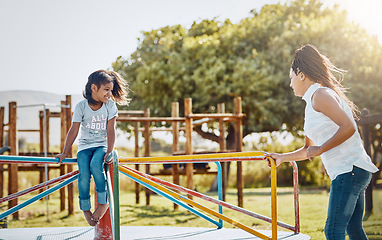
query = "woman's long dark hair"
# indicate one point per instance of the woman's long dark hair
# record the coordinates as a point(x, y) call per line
point(319, 69)
point(101, 77)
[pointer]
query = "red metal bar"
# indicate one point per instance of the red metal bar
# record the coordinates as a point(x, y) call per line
point(103, 230)
point(34, 188)
point(296, 198)
point(210, 199)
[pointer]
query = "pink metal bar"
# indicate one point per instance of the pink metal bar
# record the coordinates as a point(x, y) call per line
point(210, 199)
point(39, 186)
point(254, 158)
point(32, 162)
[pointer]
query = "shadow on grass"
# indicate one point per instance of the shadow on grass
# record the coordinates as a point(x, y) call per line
point(149, 214)
point(153, 212)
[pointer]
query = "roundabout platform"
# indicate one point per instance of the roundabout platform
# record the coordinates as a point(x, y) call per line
point(140, 233)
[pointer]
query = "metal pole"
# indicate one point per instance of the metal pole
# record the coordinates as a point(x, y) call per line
point(220, 190)
point(117, 234)
point(37, 197)
point(46, 165)
point(111, 198)
point(273, 198)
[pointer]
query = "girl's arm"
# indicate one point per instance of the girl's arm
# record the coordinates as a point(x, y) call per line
point(72, 135)
point(110, 136)
point(298, 155)
point(325, 102)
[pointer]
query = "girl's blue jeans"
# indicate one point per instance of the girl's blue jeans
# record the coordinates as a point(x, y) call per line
point(90, 162)
point(346, 205)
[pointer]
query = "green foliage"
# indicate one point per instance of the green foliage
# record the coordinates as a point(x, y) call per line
point(213, 61)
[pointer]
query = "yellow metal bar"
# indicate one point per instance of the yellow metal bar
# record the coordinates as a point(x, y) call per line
point(194, 204)
point(273, 198)
point(191, 157)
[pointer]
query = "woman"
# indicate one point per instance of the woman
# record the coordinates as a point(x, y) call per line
point(331, 133)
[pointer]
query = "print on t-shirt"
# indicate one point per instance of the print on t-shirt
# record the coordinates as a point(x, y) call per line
point(97, 123)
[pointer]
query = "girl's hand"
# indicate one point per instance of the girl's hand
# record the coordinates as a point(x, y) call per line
point(108, 158)
point(278, 157)
point(60, 157)
point(313, 151)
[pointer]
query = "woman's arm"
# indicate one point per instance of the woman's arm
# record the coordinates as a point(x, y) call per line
point(72, 135)
point(298, 155)
point(110, 136)
point(325, 102)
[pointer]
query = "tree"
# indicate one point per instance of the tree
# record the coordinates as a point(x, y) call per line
point(213, 61)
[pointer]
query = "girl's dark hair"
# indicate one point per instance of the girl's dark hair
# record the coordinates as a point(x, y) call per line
point(319, 69)
point(101, 77)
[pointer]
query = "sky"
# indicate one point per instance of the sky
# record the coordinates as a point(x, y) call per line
point(53, 46)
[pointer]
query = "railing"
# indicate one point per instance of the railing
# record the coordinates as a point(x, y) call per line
point(162, 187)
point(153, 183)
point(69, 178)
point(63, 181)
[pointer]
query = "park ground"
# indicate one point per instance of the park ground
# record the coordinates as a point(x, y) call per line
point(313, 205)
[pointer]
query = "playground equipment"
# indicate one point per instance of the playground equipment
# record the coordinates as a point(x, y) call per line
point(162, 188)
point(109, 225)
point(189, 121)
point(44, 116)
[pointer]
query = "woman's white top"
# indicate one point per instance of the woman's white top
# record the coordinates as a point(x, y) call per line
point(320, 128)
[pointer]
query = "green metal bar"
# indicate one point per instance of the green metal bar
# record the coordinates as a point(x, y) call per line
point(116, 196)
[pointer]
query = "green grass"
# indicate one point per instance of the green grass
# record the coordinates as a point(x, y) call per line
point(313, 206)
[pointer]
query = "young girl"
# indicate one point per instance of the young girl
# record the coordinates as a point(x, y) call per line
point(332, 133)
point(96, 115)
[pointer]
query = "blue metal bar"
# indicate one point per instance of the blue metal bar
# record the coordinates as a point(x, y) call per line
point(174, 200)
point(37, 197)
point(220, 190)
point(26, 159)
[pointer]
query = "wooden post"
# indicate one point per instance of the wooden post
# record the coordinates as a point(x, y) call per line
point(175, 143)
point(46, 172)
point(62, 143)
point(1, 126)
point(239, 148)
point(12, 168)
point(136, 154)
point(188, 130)
point(367, 145)
point(147, 150)
point(68, 111)
point(47, 132)
point(222, 145)
point(1, 145)
point(41, 132)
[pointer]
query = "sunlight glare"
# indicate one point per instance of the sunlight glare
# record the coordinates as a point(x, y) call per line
point(366, 13)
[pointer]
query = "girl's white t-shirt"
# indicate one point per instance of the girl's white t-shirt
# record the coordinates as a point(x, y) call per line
point(319, 128)
point(93, 123)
